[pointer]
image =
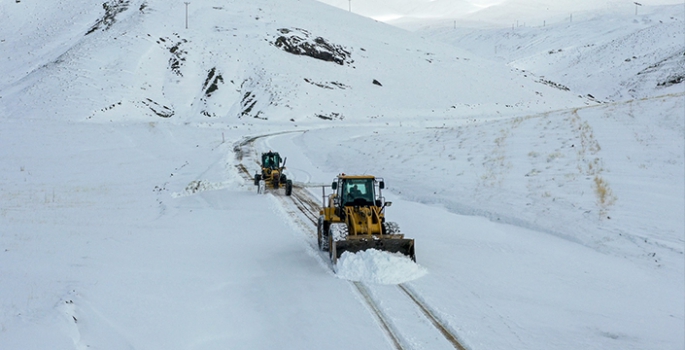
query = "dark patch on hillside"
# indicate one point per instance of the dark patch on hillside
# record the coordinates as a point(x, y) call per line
point(158, 109)
point(105, 109)
point(331, 116)
point(327, 85)
point(299, 42)
point(211, 84)
point(258, 95)
point(673, 65)
point(110, 106)
point(112, 9)
point(553, 84)
point(177, 53)
point(247, 104)
point(212, 81)
point(672, 80)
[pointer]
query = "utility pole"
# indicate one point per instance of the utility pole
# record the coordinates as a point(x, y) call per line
point(350, 4)
point(636, 5)
point(187, 3)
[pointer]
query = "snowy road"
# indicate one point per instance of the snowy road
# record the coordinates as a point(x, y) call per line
point(397, 309)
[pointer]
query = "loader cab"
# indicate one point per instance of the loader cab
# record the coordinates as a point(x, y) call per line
point(271, 160)
point(355, 191)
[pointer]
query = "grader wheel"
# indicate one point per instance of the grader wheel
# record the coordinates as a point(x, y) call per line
point(288, 187)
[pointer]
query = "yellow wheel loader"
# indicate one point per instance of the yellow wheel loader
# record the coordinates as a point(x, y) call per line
point(272, 176)
point(353, 220)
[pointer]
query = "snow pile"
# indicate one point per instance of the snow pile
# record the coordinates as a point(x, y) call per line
point(374, 266)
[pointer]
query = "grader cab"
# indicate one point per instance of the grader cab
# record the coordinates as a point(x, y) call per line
point(272, 176)
point(353, 220)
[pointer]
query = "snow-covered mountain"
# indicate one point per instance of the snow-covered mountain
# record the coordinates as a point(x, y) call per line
point(414, 14)
point(539, 167)
point(249, 73)
point(642, 56)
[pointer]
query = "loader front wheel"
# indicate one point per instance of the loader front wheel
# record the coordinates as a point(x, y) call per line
point(391, 228)
point(336, 232)
point(322, 234)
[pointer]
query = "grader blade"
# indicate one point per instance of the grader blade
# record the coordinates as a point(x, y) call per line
point(404, 246)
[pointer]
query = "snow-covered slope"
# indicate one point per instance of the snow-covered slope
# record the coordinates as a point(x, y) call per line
point(152, 65)
point(545, 218)
point(606, 55)
point(414, 14)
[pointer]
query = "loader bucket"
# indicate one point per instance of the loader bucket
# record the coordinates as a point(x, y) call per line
point(404, 246)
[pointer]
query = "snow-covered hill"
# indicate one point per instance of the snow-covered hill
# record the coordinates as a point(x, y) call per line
point(416, 14)
point(609, 56)
point(539, 168)
point(166, 70)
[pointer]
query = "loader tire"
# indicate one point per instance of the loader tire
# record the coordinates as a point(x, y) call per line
point(322, 234)
point(288, 187)
point(391, 228)
point(336, 232)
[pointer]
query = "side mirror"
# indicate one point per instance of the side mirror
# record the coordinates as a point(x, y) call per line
point(334, 186)
point(381, 185)
point(387, 204)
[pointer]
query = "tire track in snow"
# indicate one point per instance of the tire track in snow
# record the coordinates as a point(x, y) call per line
point(449, 335)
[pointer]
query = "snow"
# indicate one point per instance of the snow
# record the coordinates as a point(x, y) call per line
point(539, 169)
point(373, 266)
point(416, 14)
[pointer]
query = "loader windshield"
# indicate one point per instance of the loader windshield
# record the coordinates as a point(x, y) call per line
point(358, 192)
point(271, 160)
